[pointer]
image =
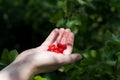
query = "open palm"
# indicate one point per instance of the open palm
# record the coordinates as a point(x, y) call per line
point(43, 60)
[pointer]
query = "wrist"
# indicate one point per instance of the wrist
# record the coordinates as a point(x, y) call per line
point(20, 70)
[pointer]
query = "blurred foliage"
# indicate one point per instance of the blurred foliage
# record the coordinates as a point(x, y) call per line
point(95, 23)
point(7, 57)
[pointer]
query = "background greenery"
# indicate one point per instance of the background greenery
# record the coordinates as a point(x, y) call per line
point(96, 24)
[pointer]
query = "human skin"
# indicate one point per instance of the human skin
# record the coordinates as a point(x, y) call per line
point(39, 60)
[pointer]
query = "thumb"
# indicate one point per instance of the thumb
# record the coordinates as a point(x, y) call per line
point(72, 58)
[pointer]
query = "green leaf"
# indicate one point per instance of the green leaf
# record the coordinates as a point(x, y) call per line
point(4, 57)
point(73, 23)
point(5, 16)
point(66, 68)
point(7, 57)
point(3, 63)
point(12, 55)
point(81, 2)
point(61, 23)
point(5, 54)
point(86, 55)
point(56, 17)
point(108, 36)
point(111, 63)
point(112, 43)
point(63, 5)
point(93, 53)
point(74, 29)
point(39, 78)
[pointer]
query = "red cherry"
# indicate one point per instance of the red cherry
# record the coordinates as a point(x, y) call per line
point(56, 50)
point(51, 47)
point(59, 45)
point(64, 46)
point(59, 48)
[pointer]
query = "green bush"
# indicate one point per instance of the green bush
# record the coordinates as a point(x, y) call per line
point(95, 24)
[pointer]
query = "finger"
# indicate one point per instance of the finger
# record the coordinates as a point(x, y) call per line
point(50, 39)
point(65, 36)
point(70, 43)
point(68, 59)
point(61, 31)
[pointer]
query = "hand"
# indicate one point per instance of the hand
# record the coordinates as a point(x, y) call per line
point(44, 61)
point(40, 60)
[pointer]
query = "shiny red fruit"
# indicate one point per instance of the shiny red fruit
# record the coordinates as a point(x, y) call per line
point(51, 47)
point(63, 46)
point(59, 48)
point(59, 45)
point(56, 50)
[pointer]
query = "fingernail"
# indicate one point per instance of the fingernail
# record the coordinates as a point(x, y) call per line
point(78, 57)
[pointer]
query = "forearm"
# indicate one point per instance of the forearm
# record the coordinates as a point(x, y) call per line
point(16, 71)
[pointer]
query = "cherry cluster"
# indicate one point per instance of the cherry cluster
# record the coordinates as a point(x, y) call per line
point(59, 48)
